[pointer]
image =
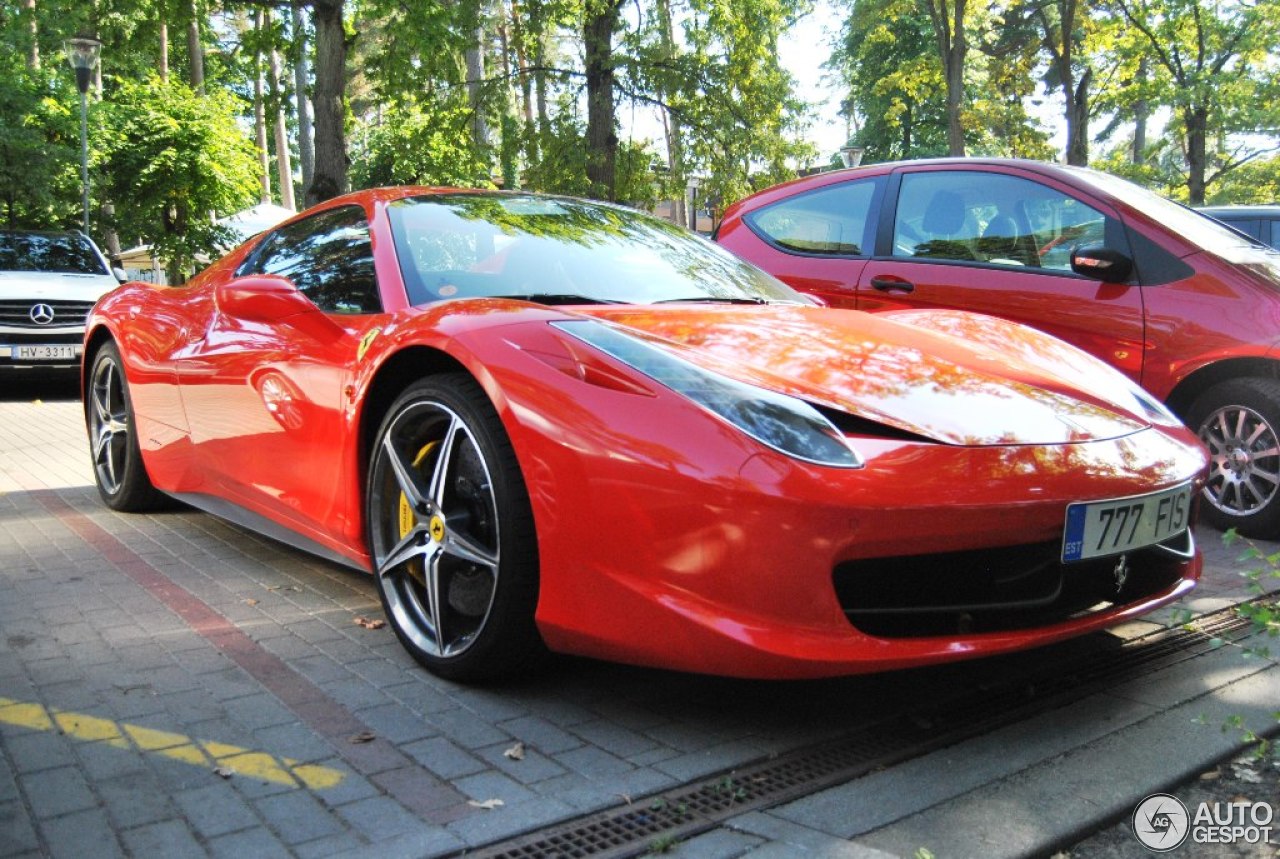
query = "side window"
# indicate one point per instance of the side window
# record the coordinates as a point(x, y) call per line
point(994, 219)
point(832, 221)
point(328, 257)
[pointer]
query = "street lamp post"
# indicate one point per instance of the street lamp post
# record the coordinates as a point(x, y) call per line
point(82, 53)
point(851, 156)
point(691, 187)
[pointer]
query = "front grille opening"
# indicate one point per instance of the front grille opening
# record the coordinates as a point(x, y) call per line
point(993, 590)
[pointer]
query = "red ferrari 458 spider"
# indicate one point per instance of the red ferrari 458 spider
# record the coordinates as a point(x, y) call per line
point(543, 423)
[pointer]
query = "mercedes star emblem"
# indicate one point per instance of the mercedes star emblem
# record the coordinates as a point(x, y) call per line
point(41, 314)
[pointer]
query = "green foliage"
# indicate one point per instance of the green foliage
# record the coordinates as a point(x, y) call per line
point(39, 148)
point(172, 160)
point(419, 144)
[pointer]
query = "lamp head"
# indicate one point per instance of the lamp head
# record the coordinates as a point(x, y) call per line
point(82, 54)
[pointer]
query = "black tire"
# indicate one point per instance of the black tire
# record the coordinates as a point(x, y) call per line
point(118, 469)
point(452, 534)
point(1239, 421)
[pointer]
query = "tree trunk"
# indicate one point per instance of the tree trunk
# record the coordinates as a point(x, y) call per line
point(602, 19)
point(475, 90)
point(670, 122)
point(1078, 121)
point(330, 178)
point(33, 30)
point(284, 163)
point(260, 112)
point(949, 33)
point(1141, 110)
point(301, 79)
point(522, 60)
point(195, 50)
point(163, 64)
point(1196, 118)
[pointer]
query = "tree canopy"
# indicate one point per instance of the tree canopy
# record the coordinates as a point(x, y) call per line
point(201, 107)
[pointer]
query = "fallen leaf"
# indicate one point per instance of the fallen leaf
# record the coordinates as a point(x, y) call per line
point(224, 772)
point(626, 797)
point(367, 623)
point(486, 804)
point(516, 752)
point(1211, 775)
point(1241, 800)
point(251, 601)
point(363, 737)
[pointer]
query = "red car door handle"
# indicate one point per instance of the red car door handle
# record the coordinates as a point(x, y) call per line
point(890, 284)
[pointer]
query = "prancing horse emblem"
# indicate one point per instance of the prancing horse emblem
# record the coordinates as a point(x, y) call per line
point(1121, 572)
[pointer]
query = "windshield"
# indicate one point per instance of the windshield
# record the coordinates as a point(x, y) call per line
point(563, 251)
point(52, 252)
point(1188, 223)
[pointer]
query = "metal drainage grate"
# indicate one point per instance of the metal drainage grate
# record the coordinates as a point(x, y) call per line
point(683, 812)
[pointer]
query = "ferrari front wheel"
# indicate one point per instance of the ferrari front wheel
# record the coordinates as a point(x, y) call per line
point(118, 470)
point(451, 533)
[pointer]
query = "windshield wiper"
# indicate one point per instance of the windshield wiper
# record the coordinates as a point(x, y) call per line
point(561, 298)
point(714, 299)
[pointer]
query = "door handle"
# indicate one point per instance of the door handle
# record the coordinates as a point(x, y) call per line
point(892, 284)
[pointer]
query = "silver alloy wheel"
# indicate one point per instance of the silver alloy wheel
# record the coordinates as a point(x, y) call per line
point(108, 426)
point(435, 529)
point(1245, 454)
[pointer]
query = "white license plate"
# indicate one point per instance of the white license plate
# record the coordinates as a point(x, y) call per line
point(68, 352)
point(1099, 528)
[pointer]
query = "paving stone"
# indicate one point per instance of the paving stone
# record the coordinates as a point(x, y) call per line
point(298, 817)
point(493, 785)
point(532, 767)
point(716, 844)
point(257, 843)
point(17, 835)
point(593, 762)
point(134, 800)
point(396, 723)
point(81, 834)
point(537, 732)
point(510, 819)
point(215, 809)
point(55, 792)
point(378, 818)
point(444, 758)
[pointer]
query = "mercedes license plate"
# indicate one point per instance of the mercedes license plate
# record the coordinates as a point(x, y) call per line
point(66, 352)
point(1099, 528)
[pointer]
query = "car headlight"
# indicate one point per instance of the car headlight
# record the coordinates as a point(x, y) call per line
point(784, 423)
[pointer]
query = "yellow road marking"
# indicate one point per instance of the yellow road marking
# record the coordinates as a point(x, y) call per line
point(203, 753)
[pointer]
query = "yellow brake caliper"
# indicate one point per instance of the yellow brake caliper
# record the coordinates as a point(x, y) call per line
point(407, 516)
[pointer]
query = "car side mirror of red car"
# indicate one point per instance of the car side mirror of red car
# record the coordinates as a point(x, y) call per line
point(262, 298)
point(274, 300)
point(1101, 262)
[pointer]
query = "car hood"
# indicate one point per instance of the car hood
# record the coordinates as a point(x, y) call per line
point(951, 377)
point(58, 286)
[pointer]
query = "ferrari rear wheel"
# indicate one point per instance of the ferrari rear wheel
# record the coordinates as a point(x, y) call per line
point(452, 535)
point(1239, 421)
point(113, 440)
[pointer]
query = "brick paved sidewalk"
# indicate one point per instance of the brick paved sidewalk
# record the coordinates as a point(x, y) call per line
point(173, 686)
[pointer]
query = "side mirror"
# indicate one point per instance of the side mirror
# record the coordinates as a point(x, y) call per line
point(274, 300)
point(1101, 262)
point(262, 298)
point(120, 274)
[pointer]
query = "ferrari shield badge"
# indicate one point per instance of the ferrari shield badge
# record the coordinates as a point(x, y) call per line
point(366, 341)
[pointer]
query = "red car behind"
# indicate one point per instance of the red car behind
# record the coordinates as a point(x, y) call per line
point(1184, 306)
